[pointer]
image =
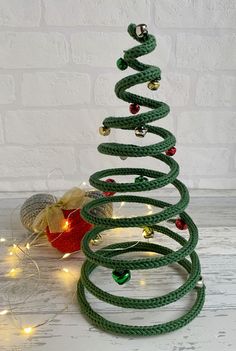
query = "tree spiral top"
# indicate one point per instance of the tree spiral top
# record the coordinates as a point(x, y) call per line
point(145, 179)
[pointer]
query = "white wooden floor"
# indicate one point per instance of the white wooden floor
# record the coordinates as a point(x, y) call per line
point(214, 329)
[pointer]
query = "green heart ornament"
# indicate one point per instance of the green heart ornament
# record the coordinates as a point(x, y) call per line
point(121, 277)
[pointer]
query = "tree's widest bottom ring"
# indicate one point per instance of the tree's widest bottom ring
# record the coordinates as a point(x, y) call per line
point(193, 268)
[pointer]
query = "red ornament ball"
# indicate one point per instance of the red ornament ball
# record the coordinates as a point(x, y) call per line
point(171, 151)
point(74, 230)
point(109, 193)
point(134, 108)
point(180, 224)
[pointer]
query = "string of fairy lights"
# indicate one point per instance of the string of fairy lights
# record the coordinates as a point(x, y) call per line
point(22, 251)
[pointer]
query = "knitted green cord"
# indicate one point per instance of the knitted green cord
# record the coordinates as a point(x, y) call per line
point(147, 179)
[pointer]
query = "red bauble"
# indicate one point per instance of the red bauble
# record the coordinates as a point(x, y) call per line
point(171, 151)
point(180, 224)
point(69, 240)
point(134, 108)
point(109, 193)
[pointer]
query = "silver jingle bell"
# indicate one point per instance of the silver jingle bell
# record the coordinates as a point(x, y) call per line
point(123, 157)
point(200, 283)
point(141, 30)
point(141, 131)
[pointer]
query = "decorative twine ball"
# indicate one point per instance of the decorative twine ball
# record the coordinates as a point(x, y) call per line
point(105, 210)
point(33, 206)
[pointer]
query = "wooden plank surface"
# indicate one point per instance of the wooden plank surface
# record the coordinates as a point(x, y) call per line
point(213, 329)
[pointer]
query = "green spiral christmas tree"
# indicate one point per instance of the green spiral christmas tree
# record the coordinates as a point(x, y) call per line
point(144, 180)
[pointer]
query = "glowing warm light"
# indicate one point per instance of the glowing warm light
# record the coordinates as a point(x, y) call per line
point(151, 253)
point(66, 255)
point(2, 240)
point(142, 282)
point(65, 270)
point(122, 203)
point(149, 212)
point(4, 312)
point(66, 225)
point(149, 207)
point(13, 272)
point(27, 246)
point(12, 249)
point(28, 330)
point(84, 183)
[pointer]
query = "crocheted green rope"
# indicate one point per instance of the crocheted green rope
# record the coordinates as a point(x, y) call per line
point(107, 256)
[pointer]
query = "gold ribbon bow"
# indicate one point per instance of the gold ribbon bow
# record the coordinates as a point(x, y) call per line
point(52, 215)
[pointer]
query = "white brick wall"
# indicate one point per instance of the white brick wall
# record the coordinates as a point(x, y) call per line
point(57, 76)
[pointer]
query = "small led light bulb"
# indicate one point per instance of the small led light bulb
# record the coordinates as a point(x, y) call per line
point(65, 270)
point(66, 225)
point(4, 312)
point(66, 255)
point(2, 240)
point(28, 330)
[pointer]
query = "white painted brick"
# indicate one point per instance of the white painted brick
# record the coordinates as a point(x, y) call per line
point(20, 13)
point(195, 14)
point(96, 12)
point(217, 183)
point(39, 161)
point(92, 161)
point(229, 90)
point(202, 161)
point(7, 89)
point(55, 126)
point(103, 49)
point(32, 50)
point(104, 89)
point(200, 52)
point(98, 48)
point(55, 88)
point(212, 90)
point(1, 131)
point(33, 184)
point(174, 89)
point(206, 127)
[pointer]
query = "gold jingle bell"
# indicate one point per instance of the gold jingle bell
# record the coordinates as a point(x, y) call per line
point(104, 131)
point(141, 30)
point(153, 85)
point(148, 233)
